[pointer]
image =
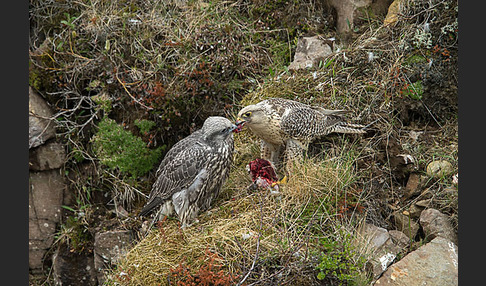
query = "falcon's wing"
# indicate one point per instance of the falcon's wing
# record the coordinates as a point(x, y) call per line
point(178, 170)
point(308, 122)
point(178, 148)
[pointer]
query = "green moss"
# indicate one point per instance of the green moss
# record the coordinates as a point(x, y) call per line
point(120, 149)
point(39, 79)
point(415, 59)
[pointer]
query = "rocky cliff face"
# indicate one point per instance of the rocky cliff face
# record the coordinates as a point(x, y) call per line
point(46, 181)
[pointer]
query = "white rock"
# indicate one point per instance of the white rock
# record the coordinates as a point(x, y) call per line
point(439, 169)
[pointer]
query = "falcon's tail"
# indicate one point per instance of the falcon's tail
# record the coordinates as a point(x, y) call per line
point(349, 128)
point(148, 208)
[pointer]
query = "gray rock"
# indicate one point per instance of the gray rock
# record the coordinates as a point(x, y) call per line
point(399, 238)
point(37, 252)
point(412, 187)
point(348, 11)
point(439, 169)
point(45, 199)
point(41, 128)
point(109, 248)
point(73, 268)
point(435, 263)
point(47, 157)
point(46, 194)
point(435, 223)
point(406, 224)
point(308, 51)
point(42, 230)
point(383, 246)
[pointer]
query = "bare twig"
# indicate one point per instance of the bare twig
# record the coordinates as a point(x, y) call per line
point(129, 94)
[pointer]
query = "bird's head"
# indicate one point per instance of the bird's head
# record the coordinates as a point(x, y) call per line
point(217, 128)
point(251, 115)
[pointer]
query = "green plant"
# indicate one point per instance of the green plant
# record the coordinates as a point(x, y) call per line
point(119, 148)
point(144, 125)
point(74, 232)
point(339, 261)
point(69, 20)
point(414, 90)
point(103, 102)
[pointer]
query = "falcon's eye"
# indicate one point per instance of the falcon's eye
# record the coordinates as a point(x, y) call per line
point(248, 114)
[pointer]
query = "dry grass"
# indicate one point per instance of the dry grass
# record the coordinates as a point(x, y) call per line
point(281, 233)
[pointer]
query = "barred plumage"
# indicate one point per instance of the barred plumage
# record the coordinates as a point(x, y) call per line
point(193, 171)
point(287, 125)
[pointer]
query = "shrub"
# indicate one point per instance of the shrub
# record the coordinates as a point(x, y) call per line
point(338, 262)
point(118, 148)
point(209, 274)
point(144, 125)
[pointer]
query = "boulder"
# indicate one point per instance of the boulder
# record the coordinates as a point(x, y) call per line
point(109, 248)
point(309, 51)
point(383, 245)
point(45, 200)
point(349, 11)
point(47, 157)
point(46, 194)
point(435, 263)
point(41, 127)
point(435, 223)
point(71, 268)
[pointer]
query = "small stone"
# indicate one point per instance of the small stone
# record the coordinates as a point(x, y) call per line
point(435, 223)
point(415, 211)
point(455, 179)
point(406, 224)
point(121, 212)
point(392, 16)
point(439, 169)
point(41, 127)
point(308, 51)
point(383, 246)
point(399, 238)
point(412, 187)
point(424, 203)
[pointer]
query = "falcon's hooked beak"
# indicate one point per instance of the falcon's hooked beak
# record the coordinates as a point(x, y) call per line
point(239, 125)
